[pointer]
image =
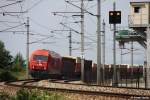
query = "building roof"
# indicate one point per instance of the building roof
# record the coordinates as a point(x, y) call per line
point(140, 1)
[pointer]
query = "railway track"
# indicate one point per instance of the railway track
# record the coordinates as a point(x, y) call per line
point(68, 87)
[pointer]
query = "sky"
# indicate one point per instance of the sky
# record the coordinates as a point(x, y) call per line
point(45, 28)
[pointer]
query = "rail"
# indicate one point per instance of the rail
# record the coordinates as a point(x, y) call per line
point(82, 88)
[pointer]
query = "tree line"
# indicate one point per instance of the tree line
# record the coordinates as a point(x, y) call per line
point(10, 65)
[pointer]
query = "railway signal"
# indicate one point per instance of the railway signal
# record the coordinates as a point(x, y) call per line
point(114, 17)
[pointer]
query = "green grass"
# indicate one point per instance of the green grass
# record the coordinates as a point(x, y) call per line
point(19, 75)
point(8, 74)
point(35, 94)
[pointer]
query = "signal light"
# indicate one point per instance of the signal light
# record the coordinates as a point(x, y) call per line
point(118, 14)
point(111, 14)
point(114, 17)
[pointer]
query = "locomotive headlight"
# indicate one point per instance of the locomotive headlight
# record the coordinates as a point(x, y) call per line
point(44, 68)
point(32, 67)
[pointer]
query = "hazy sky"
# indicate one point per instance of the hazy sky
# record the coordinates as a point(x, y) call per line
point(42, 22)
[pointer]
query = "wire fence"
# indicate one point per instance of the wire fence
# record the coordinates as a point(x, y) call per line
point(127, 76)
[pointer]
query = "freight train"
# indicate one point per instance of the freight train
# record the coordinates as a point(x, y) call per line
point(46, 63)
point(124, 71)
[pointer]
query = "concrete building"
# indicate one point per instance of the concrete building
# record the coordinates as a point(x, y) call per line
point(139, 21)
point(139, 14)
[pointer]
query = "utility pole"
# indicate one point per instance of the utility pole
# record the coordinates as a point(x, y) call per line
point(82, 31)
point(99, 74)
point(115, 81)
point(147, 85)
point(131, 62)
point(69, 36)
point(103, 51)
point(82, 40)
point(27, 49)
point(70, 43)
point(121, 54)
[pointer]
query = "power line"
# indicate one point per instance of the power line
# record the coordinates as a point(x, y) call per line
point(12, 12)
point(10, 4)
point(4, 21)
point(76, 31)
point(41, 34)
point(34, 5)
point(40, 40)
point(12, 27)
point(85, 11)
point(13, 31)
point(42, 26)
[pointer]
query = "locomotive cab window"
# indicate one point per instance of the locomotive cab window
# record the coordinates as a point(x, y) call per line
point(40, 57)
point(137, 9)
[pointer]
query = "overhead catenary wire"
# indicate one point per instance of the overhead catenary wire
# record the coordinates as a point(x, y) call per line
point(94, 5)
point(34, 5)
point(31, 33)
point(12, 27)
point(76, 31)
point(80, 8)
point(40, 40)
point(44, 27)
point(12, 14)
point(78, 23)
point(6, 24)
point(88, 17)
point(39, 24)
point(41, 34)
point(16, 12)
point(4, 21)
point(11, 4)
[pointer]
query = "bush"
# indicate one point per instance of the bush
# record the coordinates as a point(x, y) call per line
point(36, 94)
point(4, 96)
point(5, 57)
point(7, 76)
point(18, 63)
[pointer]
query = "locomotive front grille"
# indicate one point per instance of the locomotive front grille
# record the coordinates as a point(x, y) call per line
point(39, 68)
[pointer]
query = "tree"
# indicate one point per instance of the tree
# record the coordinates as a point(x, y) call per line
point(18, 62)
point(5, 57)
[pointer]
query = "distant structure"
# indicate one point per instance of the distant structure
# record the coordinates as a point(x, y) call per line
point(139, 21)
point(139, 14)
point(139, 24)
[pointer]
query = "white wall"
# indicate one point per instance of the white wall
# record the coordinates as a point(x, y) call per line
point(141, 18)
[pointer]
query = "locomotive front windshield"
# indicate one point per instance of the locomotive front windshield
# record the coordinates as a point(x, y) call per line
point(40, 57)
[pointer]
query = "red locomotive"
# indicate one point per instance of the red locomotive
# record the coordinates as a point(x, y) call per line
point(49, 64)
point(44, 62)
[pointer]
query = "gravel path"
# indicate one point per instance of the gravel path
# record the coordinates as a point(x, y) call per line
point(136, 92)
point(76, 96)
point(70, 96)
point(8, 89)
